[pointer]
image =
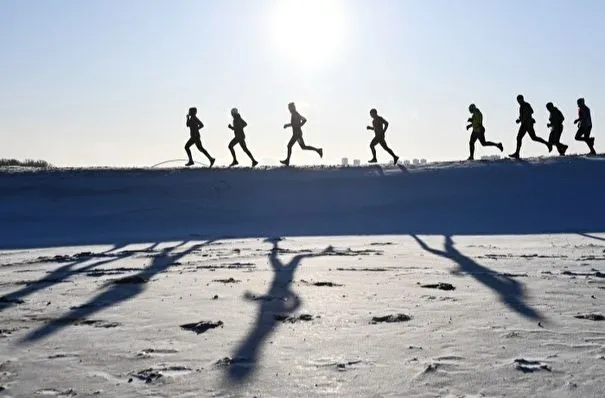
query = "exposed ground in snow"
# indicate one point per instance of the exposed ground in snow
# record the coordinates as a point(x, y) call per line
point(483, 279)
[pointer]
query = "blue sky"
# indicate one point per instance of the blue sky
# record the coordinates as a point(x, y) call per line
point(109, 82)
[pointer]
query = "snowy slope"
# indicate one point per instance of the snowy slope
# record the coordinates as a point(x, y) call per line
point(494, 274)
point(106, 206)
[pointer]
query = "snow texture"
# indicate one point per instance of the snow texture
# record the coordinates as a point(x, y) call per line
point(482, 279)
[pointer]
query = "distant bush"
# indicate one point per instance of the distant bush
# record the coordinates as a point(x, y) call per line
point(25, 163)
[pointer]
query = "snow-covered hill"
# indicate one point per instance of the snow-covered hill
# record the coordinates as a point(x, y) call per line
point(71, 206)
point(465, 279)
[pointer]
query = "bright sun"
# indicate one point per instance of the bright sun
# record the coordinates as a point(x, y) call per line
point(309, 32)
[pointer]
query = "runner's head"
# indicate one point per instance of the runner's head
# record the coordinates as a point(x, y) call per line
point(373, 112)
point(472, 108)
point(549, 106)
point(192, 111)
point(291, 107)
point(520, 99)
point(234, 112)
point(580, 101)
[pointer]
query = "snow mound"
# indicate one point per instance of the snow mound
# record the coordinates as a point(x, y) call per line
point(60, 207)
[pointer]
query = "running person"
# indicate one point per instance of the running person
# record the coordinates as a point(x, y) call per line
point(240, 137)
point(379, 125)
point(527, 126)
point(584, 122)
point(195, 125)
point(556, 128)
point(296, 122)
point(476, 122)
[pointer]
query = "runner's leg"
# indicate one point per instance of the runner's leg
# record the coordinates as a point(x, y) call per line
point(520, 135)
point(291, 143)
point(242, 143)
point(198, 144)
point(373, 144)
point(384, 146)
point(190, 142)
point(483, 142)
point(533, 136)
point(306, 147)
point(471, 145)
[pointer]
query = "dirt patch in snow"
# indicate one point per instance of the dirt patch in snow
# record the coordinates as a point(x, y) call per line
point(591, 317)
point(201, 327)
point(391, 319)
point(440, 286)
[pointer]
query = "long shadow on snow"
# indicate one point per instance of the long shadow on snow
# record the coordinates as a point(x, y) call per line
point(591, 236)
point(279, 300)
point(114, 293)
point(510, 291)
point(63, 273)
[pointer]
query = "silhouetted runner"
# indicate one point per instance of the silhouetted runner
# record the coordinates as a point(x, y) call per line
point(379, 125)
point(195, 125)
point(527, 126)
point(584, 122)
point(476, 122)
point(296, 122)
point(556, 128)
point(240, 137)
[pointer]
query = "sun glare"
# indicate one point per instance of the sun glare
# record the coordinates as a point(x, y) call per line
point(309, 32)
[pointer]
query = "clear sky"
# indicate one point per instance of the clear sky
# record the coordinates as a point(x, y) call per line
point(108, 82)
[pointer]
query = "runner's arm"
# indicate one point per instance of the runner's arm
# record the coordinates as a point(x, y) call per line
point(579, 117)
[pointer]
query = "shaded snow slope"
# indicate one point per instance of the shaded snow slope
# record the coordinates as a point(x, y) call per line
point(111, 206)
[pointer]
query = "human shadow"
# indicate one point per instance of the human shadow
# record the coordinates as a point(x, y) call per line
point(278, 302)
point(63, 273)
point(378, 169)
point(591, 236)
point(115, 292)
point(510, 291)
